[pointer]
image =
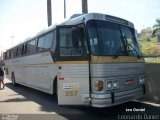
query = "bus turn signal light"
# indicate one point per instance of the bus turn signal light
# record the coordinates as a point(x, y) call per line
point(99, 85)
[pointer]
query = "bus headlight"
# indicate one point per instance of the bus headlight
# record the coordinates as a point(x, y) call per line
point(99, 85)
point(141, 80)
point(112, 85)
point(109, 85)
point(115, 84)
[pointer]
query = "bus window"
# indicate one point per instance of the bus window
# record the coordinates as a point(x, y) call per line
point(54, 41)
point(45, 42)
point(31, 46)
point(23, 49)
point(48, 40)
point(71, 43)
point(13, 52)
point(19, 50)
point(41, 43)
point(7, 55)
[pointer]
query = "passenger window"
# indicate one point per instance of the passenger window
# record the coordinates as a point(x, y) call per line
point(31, 46)
point(41, 43)
point(70, 43)
point(48, 40)
point(24, 49)
point(45, 42)
point(54, 41)
point(19, 50)
point(13, 52)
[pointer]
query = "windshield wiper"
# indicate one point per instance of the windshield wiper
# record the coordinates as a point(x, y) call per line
point(138, 55)
point(117, 53)
point(128, 50)
point(120, 49)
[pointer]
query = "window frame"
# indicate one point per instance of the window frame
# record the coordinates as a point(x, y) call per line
point(27, 46)
point(43, 35)
point(84, 56)
point(23, 52)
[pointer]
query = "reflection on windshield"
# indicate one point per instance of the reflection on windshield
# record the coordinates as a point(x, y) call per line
point(108, 38)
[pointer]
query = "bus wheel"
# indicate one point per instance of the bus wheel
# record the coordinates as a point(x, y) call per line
point(13, 80)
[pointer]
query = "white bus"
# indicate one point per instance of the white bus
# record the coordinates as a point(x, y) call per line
point(91, 59)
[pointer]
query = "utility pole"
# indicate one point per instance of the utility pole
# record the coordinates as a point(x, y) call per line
point(64, 8)
point(49, 12)
point(84, 6)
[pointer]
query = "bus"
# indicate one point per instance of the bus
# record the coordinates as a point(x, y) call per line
point(90, 59)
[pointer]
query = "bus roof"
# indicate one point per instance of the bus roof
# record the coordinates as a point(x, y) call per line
point(79, 18)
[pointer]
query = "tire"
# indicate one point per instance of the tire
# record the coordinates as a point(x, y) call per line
point(13, 80)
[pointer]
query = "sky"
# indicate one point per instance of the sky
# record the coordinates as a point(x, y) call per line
point(22, 18)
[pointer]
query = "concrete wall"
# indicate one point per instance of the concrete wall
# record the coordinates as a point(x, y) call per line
point(152, 75)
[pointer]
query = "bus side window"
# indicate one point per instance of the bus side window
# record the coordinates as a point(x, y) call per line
point(65, 42)
point(9, 53)
point(69, 43)
point(40, 46)
point(19, 50)
point(53, 47)
point(48, 40)
point(45, 41)
point(23, 49)
point(13, 52)
point(31, 46)
point(77, 49)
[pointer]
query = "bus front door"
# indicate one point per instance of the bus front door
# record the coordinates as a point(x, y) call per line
point(73, 67)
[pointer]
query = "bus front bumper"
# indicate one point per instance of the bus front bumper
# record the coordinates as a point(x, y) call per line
point(107, 100)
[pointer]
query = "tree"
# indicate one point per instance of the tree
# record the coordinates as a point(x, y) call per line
point(156, 27)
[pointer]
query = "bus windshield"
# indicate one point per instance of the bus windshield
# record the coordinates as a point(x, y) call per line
point(107, 38)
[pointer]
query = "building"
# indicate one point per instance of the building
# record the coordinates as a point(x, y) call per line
point(146, 33)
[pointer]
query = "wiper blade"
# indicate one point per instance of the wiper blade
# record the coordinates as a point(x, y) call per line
point(138, 55)
point(115, 56)
point(128, 50)
point(119, 52)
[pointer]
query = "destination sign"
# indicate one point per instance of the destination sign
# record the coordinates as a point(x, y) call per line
point(110, 19)
point(117, 20)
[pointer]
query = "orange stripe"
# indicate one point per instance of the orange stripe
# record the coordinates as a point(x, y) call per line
point(110, 59)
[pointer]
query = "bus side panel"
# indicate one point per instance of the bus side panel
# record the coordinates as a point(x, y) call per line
point(73, 84)
point(44, 71)
point(36, 71)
